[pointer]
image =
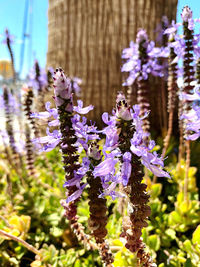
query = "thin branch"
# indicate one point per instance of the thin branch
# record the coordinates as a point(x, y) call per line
point(24, 243)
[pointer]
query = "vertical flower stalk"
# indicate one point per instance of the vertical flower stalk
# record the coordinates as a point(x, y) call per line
point(29, 152)
point(28, 110)
point(9, 124)
point(188, 77)
point(135, 189)
point(162, 40)
point(30, 158)
point(143, 84)
point(172, 92)
point(141, 60)
point(63, 100)
point(198, 72)
point(64, 104)
point(98, 209)
point(8, 42)
point(41, 102)
point(181, 130)
point(125, 141)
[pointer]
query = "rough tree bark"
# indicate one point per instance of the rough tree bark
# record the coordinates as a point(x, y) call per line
point(86, 38)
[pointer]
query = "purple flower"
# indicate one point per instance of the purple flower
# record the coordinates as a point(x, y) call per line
point(133, 61)
point(109, 190)
point(105, 167)
point(76, 194)
point(48, 142)
point(79, 174)
point(142, 37)
point(130, 52)
point(122, 109)
point(13, 104)
point(191, 97)
point(37, 77)
point(186, 14)
point(173, 28)
point(79, 109)
point(126, 168)
point(51, 112)
point(8, 38)
point(192, 121)
point(94, 152)
point(62, 87)
point(75, 85)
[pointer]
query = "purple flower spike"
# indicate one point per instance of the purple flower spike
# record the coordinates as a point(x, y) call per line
point(134, 65)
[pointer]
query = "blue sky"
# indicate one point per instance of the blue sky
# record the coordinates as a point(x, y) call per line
point(12, 17)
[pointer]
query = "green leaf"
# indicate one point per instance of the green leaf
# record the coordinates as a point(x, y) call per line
point(188, 263)
point(55, 231)
point(156, 190)
point(196, 236)
point(187, 245)
point(171, 233)
point(154, 242)
point(174, 217)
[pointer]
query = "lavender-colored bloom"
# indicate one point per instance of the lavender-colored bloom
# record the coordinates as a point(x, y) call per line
point(75, 85)
point(14, 105)
point(126, 168)
point(186, 14)
point(142, 37)
point(105, 167)
point(191, 97)
point(62, 88)
point(110, 190)
point(76, 194)
point(38, 78)
point(122, 110)
point(133, 63)
point(48, 142)
point(51, 112)
point(7, 37)
point(173, 28)
point(94, 152)
point(79, 174)
point(192, 121)
point(19, 143)
point(79, 109)
point(106, 170)
point(138, 147)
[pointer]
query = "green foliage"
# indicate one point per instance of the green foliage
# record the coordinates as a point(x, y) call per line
point(32, 212)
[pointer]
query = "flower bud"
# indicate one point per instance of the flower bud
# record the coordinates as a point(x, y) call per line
point(186, 14)
point(93, 151)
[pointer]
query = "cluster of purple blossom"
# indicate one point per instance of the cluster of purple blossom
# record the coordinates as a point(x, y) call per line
point(85, 134)
point(13, 103)
point(133, 64)
point(192, 117)
point(138, 71)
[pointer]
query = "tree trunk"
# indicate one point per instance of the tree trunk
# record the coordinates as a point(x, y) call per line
point(86, 38)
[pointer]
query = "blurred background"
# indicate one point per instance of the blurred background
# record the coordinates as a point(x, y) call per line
point(86, 39)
